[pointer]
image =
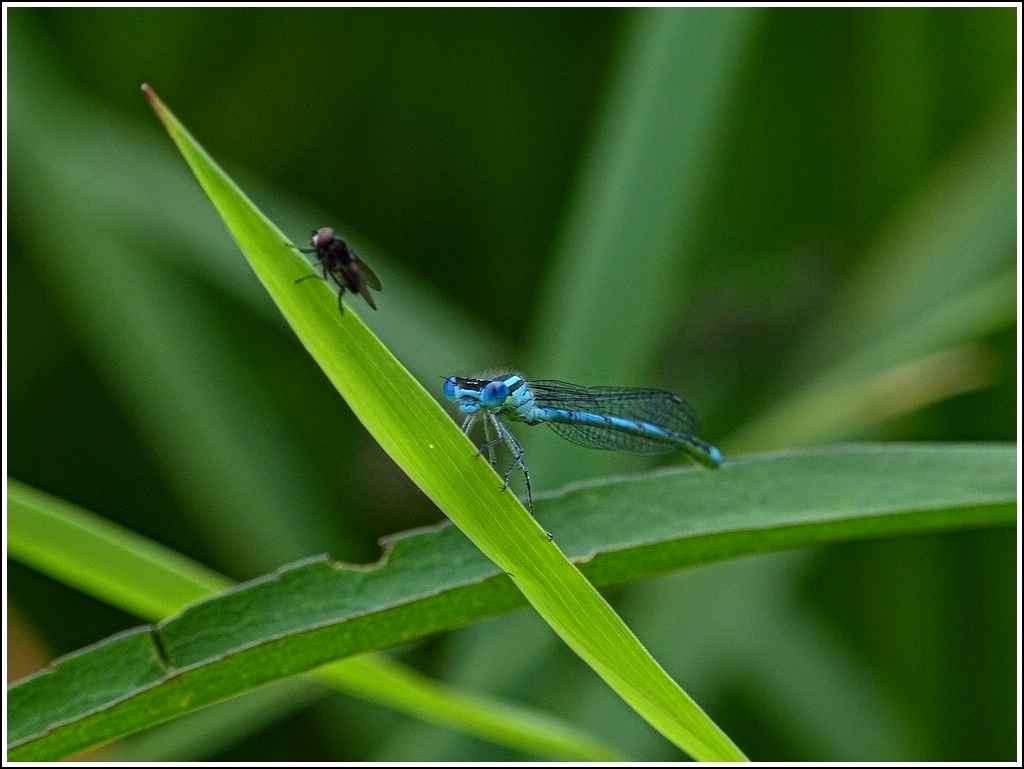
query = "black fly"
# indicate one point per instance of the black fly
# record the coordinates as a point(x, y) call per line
point(345, 268)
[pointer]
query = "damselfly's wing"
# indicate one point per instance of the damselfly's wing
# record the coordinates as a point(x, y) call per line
point(657, 408)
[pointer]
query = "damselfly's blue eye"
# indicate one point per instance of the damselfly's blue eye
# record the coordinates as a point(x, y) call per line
point(494, 393)
point(449, 389)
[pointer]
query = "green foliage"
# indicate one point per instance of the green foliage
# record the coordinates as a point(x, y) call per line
point(822, 251)
point(314, 612)
point(125, 570)
point(426, 444)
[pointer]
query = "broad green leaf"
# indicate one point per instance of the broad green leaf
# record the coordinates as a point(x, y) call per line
point(316, 611)
point(131, 572)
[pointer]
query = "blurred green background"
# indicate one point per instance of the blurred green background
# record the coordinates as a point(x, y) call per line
point(808, 230)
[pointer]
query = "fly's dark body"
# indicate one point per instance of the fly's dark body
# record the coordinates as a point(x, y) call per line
point(345, 268)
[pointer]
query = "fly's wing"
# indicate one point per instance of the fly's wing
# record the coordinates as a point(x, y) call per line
point(347, 275)
point(653, 407)
point(365, 278)
point(365, 292)
point(369, 276)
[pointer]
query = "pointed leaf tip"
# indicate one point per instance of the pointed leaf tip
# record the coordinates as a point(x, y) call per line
point(151, 97)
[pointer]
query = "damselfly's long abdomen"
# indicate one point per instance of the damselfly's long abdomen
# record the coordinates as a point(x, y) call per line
point(627, 419)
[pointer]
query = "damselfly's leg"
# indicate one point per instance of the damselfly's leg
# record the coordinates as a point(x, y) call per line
point(490, 441)
point(517, 458)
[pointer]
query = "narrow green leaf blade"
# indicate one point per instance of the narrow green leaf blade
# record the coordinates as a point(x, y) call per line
point(100, 558)
point(426, 444)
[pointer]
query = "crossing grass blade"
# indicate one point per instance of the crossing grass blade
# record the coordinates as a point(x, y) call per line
point(423, 440)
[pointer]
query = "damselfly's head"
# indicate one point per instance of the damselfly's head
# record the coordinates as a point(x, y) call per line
point(475, 394)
